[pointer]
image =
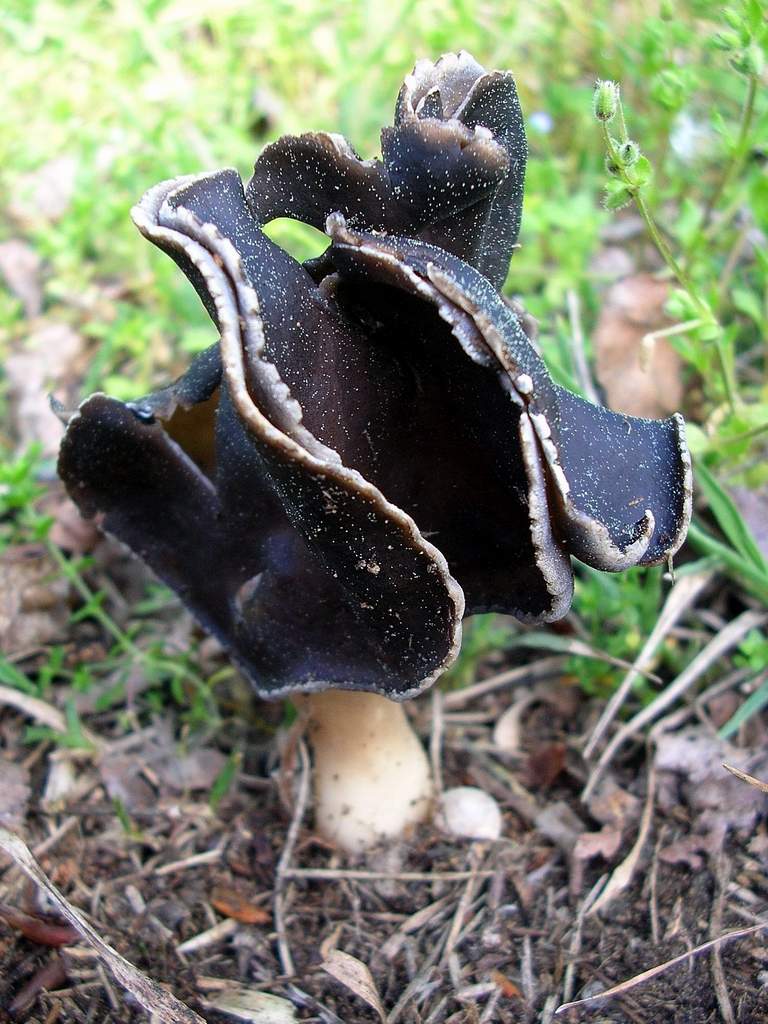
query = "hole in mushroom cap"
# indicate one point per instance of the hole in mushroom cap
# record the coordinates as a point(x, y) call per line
point(300, 240)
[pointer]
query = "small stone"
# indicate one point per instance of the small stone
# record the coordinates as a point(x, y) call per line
point(470, 813)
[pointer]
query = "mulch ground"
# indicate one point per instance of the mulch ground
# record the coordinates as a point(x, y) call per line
point(208, 900)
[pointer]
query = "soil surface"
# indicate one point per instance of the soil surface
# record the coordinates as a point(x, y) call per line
point(199, 892)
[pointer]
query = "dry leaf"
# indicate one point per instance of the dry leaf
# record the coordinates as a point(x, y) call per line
point(125, 776)
point(612, 805)
point(43, 196)
point(622, 875)
point(153, 998)
point(124, 782)
point(690, 767)
point(197, 769)
point(507, 733)
point(257, 1007)
point(634, 308)
point(508, 988)
point(544, 765)
point(71, 532)
point(39, 929)
point(604, 843)
point(33, 606)
point(234, 904)
point(14, 793)
point(560, 825)
point(354, 974)
point(20, 266)
point(45, 360)
point(47, 978)
point(685, 851)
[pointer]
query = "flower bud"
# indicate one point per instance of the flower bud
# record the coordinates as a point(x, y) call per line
point(629, 153)
point(605, 100)
point(612, 167)
point(726, 41)
point(751, 62)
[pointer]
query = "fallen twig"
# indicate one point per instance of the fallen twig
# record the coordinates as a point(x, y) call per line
point(762, 786)
point(281, 873)
point(653, 972)
point(161, 1004)
point(679, 599)
point(722, 642)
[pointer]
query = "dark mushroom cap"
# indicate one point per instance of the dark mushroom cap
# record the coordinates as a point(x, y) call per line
point(373, 447)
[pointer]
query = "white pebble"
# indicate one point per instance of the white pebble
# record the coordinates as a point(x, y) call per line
point(469, 812)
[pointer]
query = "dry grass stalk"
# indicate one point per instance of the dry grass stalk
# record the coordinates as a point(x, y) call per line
point(653, 972)
point(727, 638)
point(279, 902)
point(680, 598)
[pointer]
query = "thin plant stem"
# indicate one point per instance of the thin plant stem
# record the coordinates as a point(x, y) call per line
point(110, 626)
point(706, 230)
point(666, 254)
point(740, 149)
point(748, 435)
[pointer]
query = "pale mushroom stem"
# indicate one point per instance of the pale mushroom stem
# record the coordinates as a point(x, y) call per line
point(372, 776)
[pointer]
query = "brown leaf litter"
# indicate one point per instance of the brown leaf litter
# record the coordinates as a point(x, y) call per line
point(45, 359)
point(33, 600)
point(241, 911)
point(20, 266)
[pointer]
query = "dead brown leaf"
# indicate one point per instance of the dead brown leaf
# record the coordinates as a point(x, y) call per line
point(33, 599)
point(508, 988)
point(43, 196)
point(42, 930)
point(544, 765)
point(633, 308)
point(47, 978)
point(686, 851)
point(20, 266)
point(690, 768)
point(44, 362)
point(124, 782)
point(356, 976)
point(197, 769)
point(614, 806)
point(604, 843)
point(232, 903)
point(156, 768)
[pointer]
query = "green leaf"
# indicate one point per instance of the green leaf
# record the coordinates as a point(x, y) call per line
point(223, 781)
point(748, 303)
point(735, 563)
point(754, 703)
point(641, 172)
point(729, 519)
point(754, 11)
point(11, 676)
point(616, 196)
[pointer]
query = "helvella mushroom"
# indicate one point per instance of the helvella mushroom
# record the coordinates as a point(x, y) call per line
point(373, 448)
